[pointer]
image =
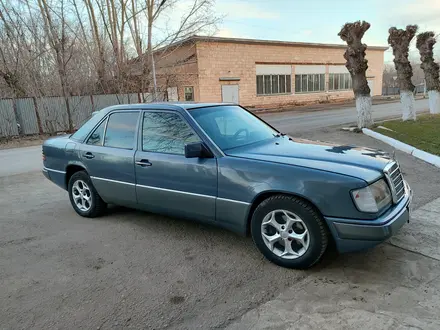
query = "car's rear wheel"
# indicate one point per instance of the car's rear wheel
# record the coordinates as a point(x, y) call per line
point(83, 196)
point(289, 232)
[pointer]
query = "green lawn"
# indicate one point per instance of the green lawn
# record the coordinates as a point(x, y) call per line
point(423, 134)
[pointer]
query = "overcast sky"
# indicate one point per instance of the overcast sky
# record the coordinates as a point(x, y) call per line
point(321, 20)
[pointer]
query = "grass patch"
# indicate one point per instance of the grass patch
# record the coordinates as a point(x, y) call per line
point(423, 134)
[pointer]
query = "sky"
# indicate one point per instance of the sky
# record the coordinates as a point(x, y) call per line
point(321, 20)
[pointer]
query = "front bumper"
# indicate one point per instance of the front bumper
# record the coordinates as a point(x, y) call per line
point(354, 235)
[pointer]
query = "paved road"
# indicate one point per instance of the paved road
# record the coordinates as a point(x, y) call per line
point(25, 160)
point(291, 122)
point(20, 160)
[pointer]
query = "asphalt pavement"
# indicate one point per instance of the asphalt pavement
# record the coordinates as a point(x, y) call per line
point(23, 160)
point(294, 122)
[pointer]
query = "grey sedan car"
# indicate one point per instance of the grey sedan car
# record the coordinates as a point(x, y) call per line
point(222, 165)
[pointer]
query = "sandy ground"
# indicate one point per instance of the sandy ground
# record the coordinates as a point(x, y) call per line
point(20, 142)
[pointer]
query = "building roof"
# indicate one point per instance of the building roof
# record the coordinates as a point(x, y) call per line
point(196, 38)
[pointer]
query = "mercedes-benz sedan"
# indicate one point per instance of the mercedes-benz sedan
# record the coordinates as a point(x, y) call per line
point(222, 165)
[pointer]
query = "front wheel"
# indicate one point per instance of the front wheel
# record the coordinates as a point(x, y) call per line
point(83, 196)
point(289, 232)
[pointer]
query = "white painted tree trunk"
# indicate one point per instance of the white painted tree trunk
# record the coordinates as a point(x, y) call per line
point(434, 102)
point(408, 107)
point(364, 112)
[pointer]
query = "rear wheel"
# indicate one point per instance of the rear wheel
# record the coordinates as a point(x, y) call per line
point(83, 196)
point(289, 232)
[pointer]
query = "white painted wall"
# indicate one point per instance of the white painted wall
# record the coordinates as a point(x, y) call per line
point(273, 69)
point(337, 69)
point(306, 69)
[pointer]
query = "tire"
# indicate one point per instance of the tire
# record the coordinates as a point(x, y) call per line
point(308, 234)
point(94, 206)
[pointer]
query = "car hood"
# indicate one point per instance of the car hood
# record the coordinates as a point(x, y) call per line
point(360, 162)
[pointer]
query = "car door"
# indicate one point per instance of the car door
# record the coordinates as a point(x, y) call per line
point(108, 155)
point(167, 181)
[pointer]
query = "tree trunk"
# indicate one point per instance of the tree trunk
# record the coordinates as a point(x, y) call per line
point(408, 107)
point(356, 64)
point(399, 41)
point(434, 101)
point(57, 44)
point(425, 44)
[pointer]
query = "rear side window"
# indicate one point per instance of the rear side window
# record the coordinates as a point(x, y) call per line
point(121, 130)
point(85, 129)
point(97, 136)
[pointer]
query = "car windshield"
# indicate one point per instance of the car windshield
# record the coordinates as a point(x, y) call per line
point(230, 126)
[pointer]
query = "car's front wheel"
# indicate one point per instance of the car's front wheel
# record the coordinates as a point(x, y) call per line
point(289, 232)
point(83, 196)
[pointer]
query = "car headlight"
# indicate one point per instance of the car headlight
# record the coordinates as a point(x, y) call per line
point(372, 198)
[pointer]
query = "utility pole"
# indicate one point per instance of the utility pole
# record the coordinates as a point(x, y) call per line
point(153, 66)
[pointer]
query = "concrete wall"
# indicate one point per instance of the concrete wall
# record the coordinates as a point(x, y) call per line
point(238, 60)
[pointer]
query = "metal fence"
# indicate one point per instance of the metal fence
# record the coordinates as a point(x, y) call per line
point(49, 114)
point(419, 89)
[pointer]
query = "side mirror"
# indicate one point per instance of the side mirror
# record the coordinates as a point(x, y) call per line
point(197, 150)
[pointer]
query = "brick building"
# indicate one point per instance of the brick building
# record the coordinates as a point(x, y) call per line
point(260, 72)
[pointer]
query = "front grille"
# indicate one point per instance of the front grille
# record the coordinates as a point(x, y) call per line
point(395, 180)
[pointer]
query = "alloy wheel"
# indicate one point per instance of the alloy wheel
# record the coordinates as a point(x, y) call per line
point(82, 195)
point(285, 234)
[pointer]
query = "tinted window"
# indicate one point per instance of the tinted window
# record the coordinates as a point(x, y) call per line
point(166, 132)
point(84, 130)
point(98, 135)
point(121, 130)
point(230, 126)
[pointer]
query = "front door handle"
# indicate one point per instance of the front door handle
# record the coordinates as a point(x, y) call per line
point(143, 162)
point(88, 155)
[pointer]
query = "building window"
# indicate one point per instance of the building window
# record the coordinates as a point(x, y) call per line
point(189, 93)
point(274, 84)
point(339, 81)
point(308, 83)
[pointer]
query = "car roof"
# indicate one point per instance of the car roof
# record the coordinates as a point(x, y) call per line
point(161, 106)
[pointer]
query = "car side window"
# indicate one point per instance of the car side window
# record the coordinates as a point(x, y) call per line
point(121, 130)
point(97, 136)
point(166, 132)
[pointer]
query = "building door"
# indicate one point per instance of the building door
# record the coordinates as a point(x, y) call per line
point(371, 85)
point(172, 94)
point(230, 93)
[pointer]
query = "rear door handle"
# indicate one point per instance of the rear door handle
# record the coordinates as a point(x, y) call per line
point(143, 162)
point(88, 155)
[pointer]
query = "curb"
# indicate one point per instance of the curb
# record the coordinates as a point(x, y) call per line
point(423, 155)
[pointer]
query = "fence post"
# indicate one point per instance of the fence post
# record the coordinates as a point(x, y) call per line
point(91, 101)
point(17, 118)
point(40, 127)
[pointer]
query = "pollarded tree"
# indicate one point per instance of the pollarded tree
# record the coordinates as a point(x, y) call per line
point(399, 41)
point(425, 44)
point(352, 34)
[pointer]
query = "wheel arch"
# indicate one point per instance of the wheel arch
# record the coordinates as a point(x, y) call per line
point(72, 169)
point(265, 195)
